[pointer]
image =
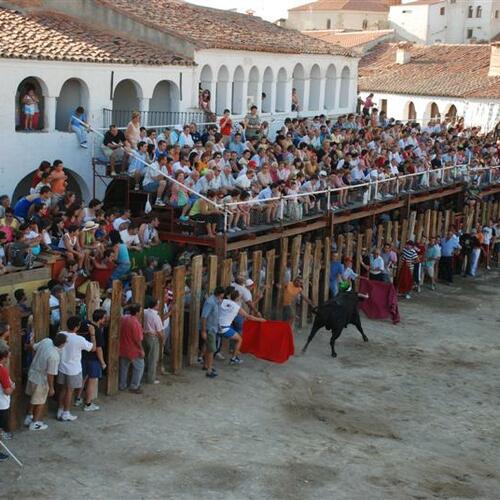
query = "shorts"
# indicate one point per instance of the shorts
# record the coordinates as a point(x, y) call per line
point(229, 333)
point(288, 314)
point(29, 109)
point(71, 381)
point(429, 270)
point(4, 419)
point(211, 342)
point(152, 187)
point(38, 393)
point(91, 368)
point(117, 153)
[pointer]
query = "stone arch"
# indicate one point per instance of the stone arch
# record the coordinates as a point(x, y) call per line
point(451, 111)
point(432, 110)
point(298, 77)
point(206, 77)
point(253, 85)
point(267, 88)
point(222, 88)
point(74, 92)
point(39, 121)
point(410, 111)
point(164, 101)
point(126, 98)
point(238, 99)
point(281, 97)
point(330, 87)
point(345, 81)
point(314, 88)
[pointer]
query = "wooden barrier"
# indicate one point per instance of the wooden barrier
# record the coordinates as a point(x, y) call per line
point(243, 265)
point(359, 248)
point(327, 258)
point(158, 292)
point(340, 244)
point(226, 273)
point(177, 319)
point(92, 298)
point(349, 245)
point(257, 268)
point(433, 227)
point(412, 224)
point(67, 306)
point(139, 293)
point(380, 237)
point(41, 315)
point(12, 315)
point(212, 273)
point(306, 271)
point(419, 228)
point(439, 224)
point(269, 286)
point(316, 271)
point(282, 273)
point(395, 234)
point(114, 338)
point(295, 256)
point(447, 222)
point(194, 309)
point(427, 224)
point(368, 239)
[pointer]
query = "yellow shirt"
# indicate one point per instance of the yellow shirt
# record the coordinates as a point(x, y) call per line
point(290, 293)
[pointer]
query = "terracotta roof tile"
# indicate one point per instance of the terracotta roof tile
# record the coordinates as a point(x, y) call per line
point(434, 70)
point(357, 5)
point(57, 37)
point(349, 39)
point(221, 29)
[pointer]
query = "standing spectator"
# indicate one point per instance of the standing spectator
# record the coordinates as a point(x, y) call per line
point(70, 367)
point(153, 338)
point(210, 328)
point(432, 256)
point(78, 124)
point(252, 124)
point(367, 105)
point(449, 245)
point(476, 252)
point(131, 350)
point(291, 293)
point(30, 107)
point(133, 132)
point(487, 239)
point(93, 362)
point(226, 126)
point(41, 375)
point(405, 279)
point(377, 266)
point(7, 387)
point(336, 271)
point(295, 100)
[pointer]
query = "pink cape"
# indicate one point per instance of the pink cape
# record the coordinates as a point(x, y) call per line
point(382, 302)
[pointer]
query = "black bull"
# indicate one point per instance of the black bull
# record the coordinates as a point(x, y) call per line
point(335, 315)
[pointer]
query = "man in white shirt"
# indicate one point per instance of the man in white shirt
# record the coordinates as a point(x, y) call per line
point(154, 181)
point(124, 219)
point(245, 181)
point(70, 367)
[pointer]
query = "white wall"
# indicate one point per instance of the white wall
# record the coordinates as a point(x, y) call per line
point(410, 22)
point(339, 19)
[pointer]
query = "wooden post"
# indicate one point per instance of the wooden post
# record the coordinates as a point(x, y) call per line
point(92, 298)
point(349, 245)
point(177, 319)
point(388, 232)
point(295, 256)
point(159, 296)
point(439, 224)
point(243, 265)
point(306, 271)
point(67, 306)
point(194, 309)
point(359, 248)
point(340, 245)
point(477, 212)
point(212, 273)
point(380, 235)
point(489, 211)
point(427, 224)
point(139, 293)
point(226, 275)
point(395, 234)
point(447, 222)
point(433, 227)
point(419, 230)
point(268, 291)
point(411, 224)
point(316, 271)
point(282, 273)
point(41, 315)
point(404, 233)
point(114, 338)
point(327, 258)
point(12, 315)
point(256, 268)
point(484, 213)
point(368, 239)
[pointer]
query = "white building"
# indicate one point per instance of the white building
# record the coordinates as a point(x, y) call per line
point(340, 14)
point(419, 82)
point(446, 21)
point(155, 63)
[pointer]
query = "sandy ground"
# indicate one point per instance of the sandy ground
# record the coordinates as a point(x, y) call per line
point(414, 413)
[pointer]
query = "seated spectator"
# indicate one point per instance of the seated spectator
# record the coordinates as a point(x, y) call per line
point(113, 147)
point(70, 244)
point(138, 164)
point(148, 232)
point(130, 236)
point(24, 207)
point(78, 124)
point(155, 179)
point(179, 197)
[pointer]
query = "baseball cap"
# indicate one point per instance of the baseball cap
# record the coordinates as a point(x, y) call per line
point(248, 282)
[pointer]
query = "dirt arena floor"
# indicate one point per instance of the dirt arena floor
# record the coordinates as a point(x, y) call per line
point(413, 414)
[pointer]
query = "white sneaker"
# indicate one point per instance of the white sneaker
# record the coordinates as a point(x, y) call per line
point(28, 420)
point(78, 402)
point(38, 426)
point(220, 356)
point(159, 203)
point(91, 407)
point(84, 145)
point(156, 382)
point(67, 417)
point(60, 412)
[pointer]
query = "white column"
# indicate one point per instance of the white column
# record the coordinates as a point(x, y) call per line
point(258, 97)
point(307, 90)
point(244, 94)
point(337, 93)
point(49, 116)
point(272, 97)
point(144, 108)
point(322, 93)
point(229, 94)
point(288, 96)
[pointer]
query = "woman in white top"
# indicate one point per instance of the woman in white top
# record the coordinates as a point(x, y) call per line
point(229, 309)
point(133, 132)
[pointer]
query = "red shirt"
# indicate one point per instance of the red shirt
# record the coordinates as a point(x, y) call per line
point(226, 126)
point(131, 335)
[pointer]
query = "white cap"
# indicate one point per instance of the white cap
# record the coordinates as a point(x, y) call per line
point(248, 282)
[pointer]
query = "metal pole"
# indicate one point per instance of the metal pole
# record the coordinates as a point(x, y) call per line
point(18, 462)
point(328, 199)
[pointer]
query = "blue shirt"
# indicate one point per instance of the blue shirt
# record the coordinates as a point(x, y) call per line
point(22, 207)
point(448, 246)
point(336, 270)
point(210, 313)
point(74, 122)
point(237, 147)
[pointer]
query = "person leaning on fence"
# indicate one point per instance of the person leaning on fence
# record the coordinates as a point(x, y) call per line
point(70, 367)
point(131, 350)
point(154, 337)
point(41, 377)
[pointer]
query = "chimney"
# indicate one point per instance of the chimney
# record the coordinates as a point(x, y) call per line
point(403, 55)
point(495, 60)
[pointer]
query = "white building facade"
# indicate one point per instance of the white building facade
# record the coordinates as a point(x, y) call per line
point(446, 21)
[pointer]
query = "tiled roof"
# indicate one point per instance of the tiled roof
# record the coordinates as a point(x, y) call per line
point(349, 39)
point(220, 29)
point(434, 70)
point(59, 38)
point(358, 5)
point(422, 2)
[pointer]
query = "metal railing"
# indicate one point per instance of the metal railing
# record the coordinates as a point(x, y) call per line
point(151, 119)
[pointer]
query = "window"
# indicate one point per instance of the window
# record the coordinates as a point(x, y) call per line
point(479, 11)
point(471, 11)
point(365, 24)
point(441, 11)
point(469, 34)
point(328, 24)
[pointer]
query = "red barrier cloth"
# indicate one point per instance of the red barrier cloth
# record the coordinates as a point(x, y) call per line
point(405, 279)
point(382, 302)
point(271, 341)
